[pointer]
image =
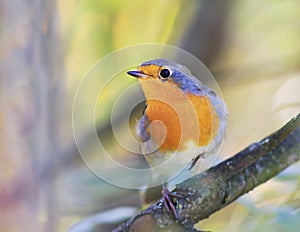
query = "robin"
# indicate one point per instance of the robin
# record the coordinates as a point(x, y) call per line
point(183, 120)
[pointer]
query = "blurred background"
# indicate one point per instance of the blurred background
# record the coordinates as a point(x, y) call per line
point(251, 47)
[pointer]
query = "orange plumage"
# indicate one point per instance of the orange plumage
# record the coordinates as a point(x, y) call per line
point(174, 122)
point(183, 120)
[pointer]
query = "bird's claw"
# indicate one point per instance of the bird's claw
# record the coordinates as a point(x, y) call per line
point(168, 203)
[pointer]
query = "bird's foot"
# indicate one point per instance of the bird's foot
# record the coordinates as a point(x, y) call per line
point(168, 203)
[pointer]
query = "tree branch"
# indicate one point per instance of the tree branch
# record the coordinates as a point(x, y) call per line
point(212, 190)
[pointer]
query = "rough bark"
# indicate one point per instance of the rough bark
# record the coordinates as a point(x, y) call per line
point(222, 184)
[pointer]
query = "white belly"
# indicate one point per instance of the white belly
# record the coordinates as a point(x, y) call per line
point(174, 167)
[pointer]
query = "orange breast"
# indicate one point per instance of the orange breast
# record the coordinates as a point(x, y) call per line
point(192, 119)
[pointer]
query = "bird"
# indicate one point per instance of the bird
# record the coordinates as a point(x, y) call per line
point(183, 121)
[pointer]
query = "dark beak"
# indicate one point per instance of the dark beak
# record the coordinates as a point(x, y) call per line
point(137, 74)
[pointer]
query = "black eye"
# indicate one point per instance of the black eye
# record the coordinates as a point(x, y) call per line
point(164, 73)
